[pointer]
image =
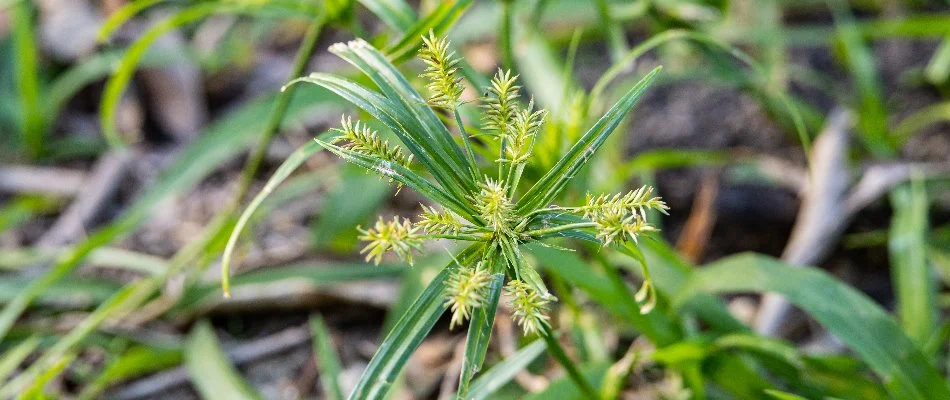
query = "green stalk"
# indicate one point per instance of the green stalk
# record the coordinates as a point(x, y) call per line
point(467, 142)
point(254, 161)
point(27, 82)
point(560, 228)
point(561, 356)
point(507, 55)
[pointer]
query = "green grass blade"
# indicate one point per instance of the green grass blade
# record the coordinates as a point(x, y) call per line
point(439, 21)
point(405, 337)
point(479, 334)
point(328, 363)
point(210, 369)
point(36, 390)
point(861, 64)
point(914, 284)
point(503, 372)
point(555, 180)
point(283, 171)
point(850, 315)
point(395, 13)
point(13, 357)
point(33, 124)
point(920, 119)
point(938, 69)
point(136, 362)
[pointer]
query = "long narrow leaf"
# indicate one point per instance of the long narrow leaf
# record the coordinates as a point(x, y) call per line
point(210, 369)
point(283, 171)
point(479, 333)
point(555, 180)
point(914, 284)
point(326, 358)
point(847, 313)
point(406, 335)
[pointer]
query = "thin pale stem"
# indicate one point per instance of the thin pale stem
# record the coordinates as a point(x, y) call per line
point(560, 228)
point(468, 144)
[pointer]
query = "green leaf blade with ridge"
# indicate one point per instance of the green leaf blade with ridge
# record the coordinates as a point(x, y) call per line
point(850, 315)
point(555, 180)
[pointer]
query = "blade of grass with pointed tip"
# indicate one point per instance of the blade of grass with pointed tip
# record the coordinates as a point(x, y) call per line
point(914, 284)
point(420, 120)
point(328, 363)
point(211, 370)
point(938, 69)
point(283, 171)
point(850, 315)
point(217, 143)
point(503, 372)
point(779, 98)
point(479, 334)
point(395, 13)
point(438, 21)
point(554, 181)
point(406, 335)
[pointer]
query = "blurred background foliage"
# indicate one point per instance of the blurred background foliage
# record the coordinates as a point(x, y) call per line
point(803, 146)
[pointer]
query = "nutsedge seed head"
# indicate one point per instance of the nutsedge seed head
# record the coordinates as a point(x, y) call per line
point(493, 205)
point(501, 104)
point(400, 237)
point(361, 139)
point(524, 129)
point(439, 222)
point(441, 71)
point(529, 307)
point(465, 291)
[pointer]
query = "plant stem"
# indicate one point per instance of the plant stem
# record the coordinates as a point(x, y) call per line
point(468, 144)
point(254, 161)
point(560, 228)
point(561, 356)
point(507, 55)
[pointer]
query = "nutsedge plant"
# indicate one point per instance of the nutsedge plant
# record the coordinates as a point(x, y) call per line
point(477, 201)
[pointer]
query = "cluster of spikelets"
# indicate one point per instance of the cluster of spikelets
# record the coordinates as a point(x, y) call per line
point(614, 219)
